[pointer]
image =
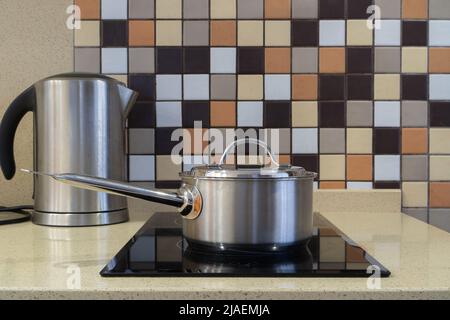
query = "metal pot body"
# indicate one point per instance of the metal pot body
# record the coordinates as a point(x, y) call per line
point(268, 212)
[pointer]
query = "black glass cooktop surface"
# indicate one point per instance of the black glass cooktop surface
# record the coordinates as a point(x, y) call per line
point(159, 250)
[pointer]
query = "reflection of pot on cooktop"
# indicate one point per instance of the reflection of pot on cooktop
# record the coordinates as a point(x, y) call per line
point(159, 249)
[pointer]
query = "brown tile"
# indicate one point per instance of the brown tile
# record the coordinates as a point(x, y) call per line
point(223, 114)
point(90, 9)
point(414, 140)
point(332, 185)
point(355, 254)
point(277, 9)
point(278, 60)
point(304, 87)
point(439, 60)
point(440, 195)
point(141, 33)
point(415, 9)
point(359, 167)
point(223, 33)
point(332, 60)
point(284, 159)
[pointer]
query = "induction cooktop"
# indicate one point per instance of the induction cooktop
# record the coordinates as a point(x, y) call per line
point(159, 250)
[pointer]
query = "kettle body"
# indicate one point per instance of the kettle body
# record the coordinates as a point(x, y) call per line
point(79, 126)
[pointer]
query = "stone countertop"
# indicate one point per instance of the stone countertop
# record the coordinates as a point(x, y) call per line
point(39, 262)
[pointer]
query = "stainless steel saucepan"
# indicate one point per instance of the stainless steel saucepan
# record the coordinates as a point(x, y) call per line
point(227, 206)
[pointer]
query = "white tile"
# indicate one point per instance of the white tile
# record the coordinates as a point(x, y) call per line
point(389, 33)
point(277, 87)
point(168, 114)
point(250, 114)
point(168, 87)
point(223, 60)
point(196, 86)
point(387, 114)
point(114, 9)
point(440, 87)
point(387, 168)
point(332, 33)
point(142, 168)
point(304, 141)
point(352, 185)
point(439, 32)
point(114, 60)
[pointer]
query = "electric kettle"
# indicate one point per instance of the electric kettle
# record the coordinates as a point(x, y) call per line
point(79, 126)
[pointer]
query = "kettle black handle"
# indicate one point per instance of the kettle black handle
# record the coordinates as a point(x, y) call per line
point(13, 115)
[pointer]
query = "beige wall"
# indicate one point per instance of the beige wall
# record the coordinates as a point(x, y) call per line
point(34, 43)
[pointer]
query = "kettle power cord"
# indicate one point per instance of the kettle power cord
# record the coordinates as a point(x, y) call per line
point(20, 210)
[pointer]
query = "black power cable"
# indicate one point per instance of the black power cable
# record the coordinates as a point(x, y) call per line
point(17, 214)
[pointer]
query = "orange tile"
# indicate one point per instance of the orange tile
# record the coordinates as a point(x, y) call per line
point(355, 254)
point(332, 184)
point(284, 159)
point(141, 33)
point(223, 33)
point(278, 60)
point(277, 9)
point(359, 167)
point(415, 9)
point(223, 114)
point(414, 140)
point(440, 195)
point(332, 60)
point(90, 9)
point(304, 87)
point(194, 141)
point(439, 60)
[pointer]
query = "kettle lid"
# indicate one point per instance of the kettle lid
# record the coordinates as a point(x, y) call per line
point(79, 75)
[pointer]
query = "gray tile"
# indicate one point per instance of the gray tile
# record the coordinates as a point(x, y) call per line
point(387, 59)
point(142, 60)
point(414, 114)
point(418, 213)
point(250, 9)
point(359, 114)
point(440, 218)
point(196, 33)
point(196, 9)
point(284, 140)
point(439, 9)
point(141, 141)
point(304, 9)
point(87, 60)
point(415, 168)
point(304, 60)
point(390, 9)
point(332, 141)
point(141, 9)
point(223, 87)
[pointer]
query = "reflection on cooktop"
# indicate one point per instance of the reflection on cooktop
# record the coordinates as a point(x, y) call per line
point(159, 250)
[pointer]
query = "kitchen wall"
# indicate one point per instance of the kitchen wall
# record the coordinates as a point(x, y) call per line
point(35, 43)
point(364, 108)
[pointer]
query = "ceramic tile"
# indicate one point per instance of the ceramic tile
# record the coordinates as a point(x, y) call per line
point(415, 9)
point(250, 33)
point(196, 60)
point(358, 33)
point(359, 141)
point(305, 9)
point(304, 60)
point(144, 84)
point(168, 33)
point(390, 9)
point(88, 35)
point(305, 33)
point(195, 9)
point(439, 195)
point(277, 33)
point(250, 60)
point(387, 114)
point(415, 60)
point(250, 9)
point(418, 213)
point(386, 141)
point(279, 141)
point(439, 33)
point(167, 169)
point(332, 114)
point(250, 87)
point(141, 60)
point(223, 9)
point(414, 33)
point(352, 185)
point(304, 87)
point(223, 60)
point(114, 33)
point(439, 9)
point(114, 9)
point(277, 9)
point(359, 113)
point(414, 140)
point(87, 60)
point(277, 87)
point(439, 87)
point(196, 33)
point(332, 33)
point(332, 167)
point(439, 60)
point(415, 168)
point(359, 87)
point(89, 9)
point(332, 87)
point(114, 60)
point(305, 141)
point(360, 60)
point(168, 9)
point(277, 114)
point(168, 87)
point(332, 9)
point(359, 167)
point(142, 115)
point(142, 168)
point(196, 87)
point(414, 87)
point(440, 218)
point(389, 33)
point(223, 33)
point(439, 168)
point(415, 194)
point(387, 167)
point(250, 114)
point(332, 185)
point(277, 60)
point(141, 141)
point(440, 114)
point(223, 87)
point(387, 60)
point(223, 114)
point(196, 111)
point(141, 9)
point(332, 141)
point(168, 114)
point(387, 87)
point(141, 33)
point(440, 140)
point(169, 60)
point(304, 114)
point(414, 113)
point(332, 60)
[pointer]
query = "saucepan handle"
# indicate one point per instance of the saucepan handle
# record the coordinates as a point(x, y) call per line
point(239, 142)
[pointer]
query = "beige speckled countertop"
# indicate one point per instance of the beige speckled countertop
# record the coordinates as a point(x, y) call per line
point(35, 260)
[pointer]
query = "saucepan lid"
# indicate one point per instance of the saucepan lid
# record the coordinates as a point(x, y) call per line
point(274, 170)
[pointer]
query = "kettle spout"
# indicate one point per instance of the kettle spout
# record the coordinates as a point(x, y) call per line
point(127, 98)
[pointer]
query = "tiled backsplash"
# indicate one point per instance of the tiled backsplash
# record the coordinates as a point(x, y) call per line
point(364, 108)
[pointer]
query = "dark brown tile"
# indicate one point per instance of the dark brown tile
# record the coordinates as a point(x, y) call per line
point(163, 141)
point(414, 87)
point(386, 141)
point(169, 60)
point(440, 114)
point(308, 161)
point(359, 60)
point(196, 60)
point(142, 115)
point(332, 87)
point(277, 114)
point(251, 60)
point(387, 185)
point(415, 33)
point(332, 114)
point(357, 9)
point(196, 111)
point(331, 9)
point(144, 85)
point(305, 33)
point(114, 33)
point(359, 87)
